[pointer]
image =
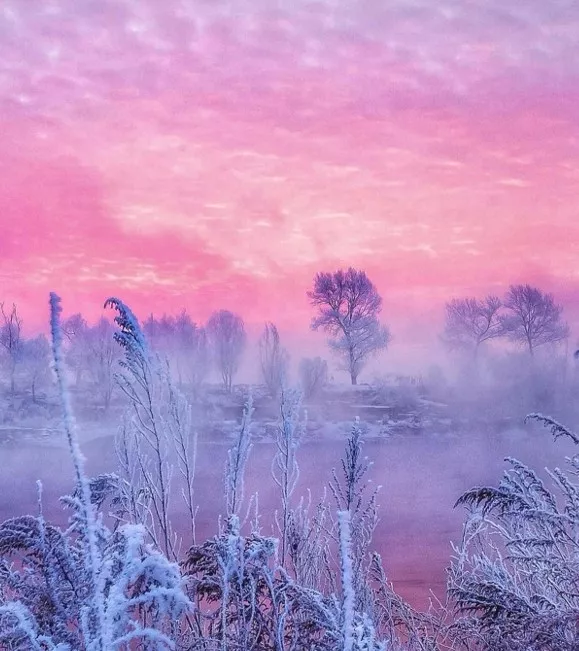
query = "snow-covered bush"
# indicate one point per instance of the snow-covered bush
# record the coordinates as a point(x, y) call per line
point(49, 597)
point(244, 600)
point(516, 572)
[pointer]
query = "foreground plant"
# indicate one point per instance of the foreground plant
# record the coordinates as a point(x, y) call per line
point(516, 572)
point(86, 588)
point(156, 437)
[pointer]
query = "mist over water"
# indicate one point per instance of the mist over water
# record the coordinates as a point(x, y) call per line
point(421, 475)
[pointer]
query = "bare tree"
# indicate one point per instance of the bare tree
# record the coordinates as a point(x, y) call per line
point(11, 340)
point(313, 375)
point(35, 355)
point(274, 359)
point(102, 353)
point(93, 354)
point(75, 329)
point(199, 358)
point(470, 322)
point(348, 307)
point(192, 361)
point(73, 325)
point(183, 343)
point(227, 336)
point(533, 318)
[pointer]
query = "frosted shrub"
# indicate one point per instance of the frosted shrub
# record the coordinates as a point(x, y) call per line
point(350, 491)
point(50, 595)
point(516, 572)
point(244, 600)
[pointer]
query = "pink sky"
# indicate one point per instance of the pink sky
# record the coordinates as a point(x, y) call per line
point(209, 154)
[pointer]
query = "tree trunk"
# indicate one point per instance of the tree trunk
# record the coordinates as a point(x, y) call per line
point(354, 379)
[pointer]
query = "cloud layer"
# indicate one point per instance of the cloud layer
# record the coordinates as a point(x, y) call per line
point(217, 154)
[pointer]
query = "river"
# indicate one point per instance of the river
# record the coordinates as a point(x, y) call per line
point(421, 476)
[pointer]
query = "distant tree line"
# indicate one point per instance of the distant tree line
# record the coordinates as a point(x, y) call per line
point(22, 357)
point(347, 308)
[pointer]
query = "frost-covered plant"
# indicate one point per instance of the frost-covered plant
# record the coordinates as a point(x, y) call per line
point(236, 462)
point(403, 628)
point(244, 596)
point(49, 593)
point(350, 493)
point(285, 469)
point(155, 437)
point(373, 616)
point(356, 521)
point(347, 574)
point(85, 588)
point(246, 601)
point(309, 556)
point(516, 571)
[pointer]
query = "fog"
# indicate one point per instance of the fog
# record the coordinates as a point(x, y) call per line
point(429, 435)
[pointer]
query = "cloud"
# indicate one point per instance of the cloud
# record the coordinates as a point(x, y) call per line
point(66, 55)
point(216, 150)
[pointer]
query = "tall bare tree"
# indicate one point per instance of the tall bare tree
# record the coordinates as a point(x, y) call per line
point(226, 332)
point(274, 359)
point(348, 307)
point(470, 322)
point(199, 358)
point(103, 353)
point(11, 340)
point(533, 318)
point(192, 351)
point(92, 353)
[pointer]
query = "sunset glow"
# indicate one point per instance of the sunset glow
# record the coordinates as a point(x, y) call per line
point(208, 154)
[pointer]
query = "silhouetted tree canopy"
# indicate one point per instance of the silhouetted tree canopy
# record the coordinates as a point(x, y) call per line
point(348, 306)
point(533, 318)
point(226, 332)
point(470, 322)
